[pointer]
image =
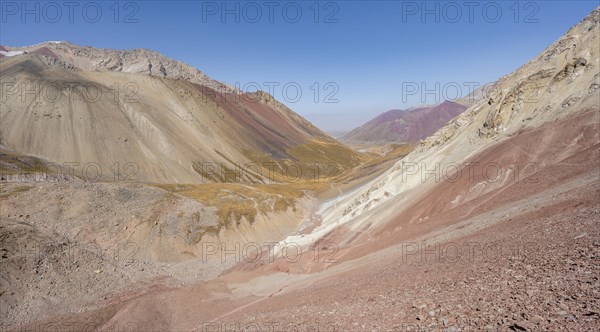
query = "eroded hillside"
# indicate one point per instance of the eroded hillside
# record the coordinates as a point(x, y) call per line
point(153, 128)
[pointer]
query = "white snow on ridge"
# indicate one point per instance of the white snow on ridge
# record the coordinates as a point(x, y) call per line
point(42, 43)
point(11, 53)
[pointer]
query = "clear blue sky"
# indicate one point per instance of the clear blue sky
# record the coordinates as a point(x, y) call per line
point(369, 50)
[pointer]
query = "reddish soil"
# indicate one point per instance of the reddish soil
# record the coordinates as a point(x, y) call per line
point(521, 255)
point(46, 52)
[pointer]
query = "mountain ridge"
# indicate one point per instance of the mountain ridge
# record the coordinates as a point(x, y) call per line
point(175, 129)
point(408, 125)
point(138, 60)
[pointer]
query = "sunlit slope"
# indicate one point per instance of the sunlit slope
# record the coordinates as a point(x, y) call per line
point(547, 111)
point(155, 129)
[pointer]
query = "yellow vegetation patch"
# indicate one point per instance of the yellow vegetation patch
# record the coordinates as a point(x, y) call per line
point(319, 151)
point(235, 202)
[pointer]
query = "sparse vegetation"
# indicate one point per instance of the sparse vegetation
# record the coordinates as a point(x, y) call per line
point(238, 202)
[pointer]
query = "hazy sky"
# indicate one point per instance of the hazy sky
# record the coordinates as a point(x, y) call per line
point(341, 62)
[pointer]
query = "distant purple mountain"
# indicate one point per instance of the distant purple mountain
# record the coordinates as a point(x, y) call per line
point(405, 125)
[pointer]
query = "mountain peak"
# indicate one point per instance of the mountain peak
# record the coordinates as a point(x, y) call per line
point(139, 60)
point(408, 125)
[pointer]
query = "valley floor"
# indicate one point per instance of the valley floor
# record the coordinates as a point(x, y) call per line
point(524, 258)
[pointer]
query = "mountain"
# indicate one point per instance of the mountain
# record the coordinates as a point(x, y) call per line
point(491, 223)
point(495, 209)
point(168, 122)
point(405, 125)
point(140, 61)
point(535, 121)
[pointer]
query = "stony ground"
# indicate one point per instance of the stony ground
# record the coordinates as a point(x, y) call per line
point(535, 272)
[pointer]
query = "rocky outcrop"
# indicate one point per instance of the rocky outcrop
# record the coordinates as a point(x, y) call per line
point(142, 61)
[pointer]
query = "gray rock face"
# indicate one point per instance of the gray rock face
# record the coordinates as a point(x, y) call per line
point(141, 61)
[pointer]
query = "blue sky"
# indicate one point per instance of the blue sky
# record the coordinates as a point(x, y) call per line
point(351, 60)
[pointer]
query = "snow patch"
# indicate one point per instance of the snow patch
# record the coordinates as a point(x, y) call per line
point(42, 44)
point(11, 53)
